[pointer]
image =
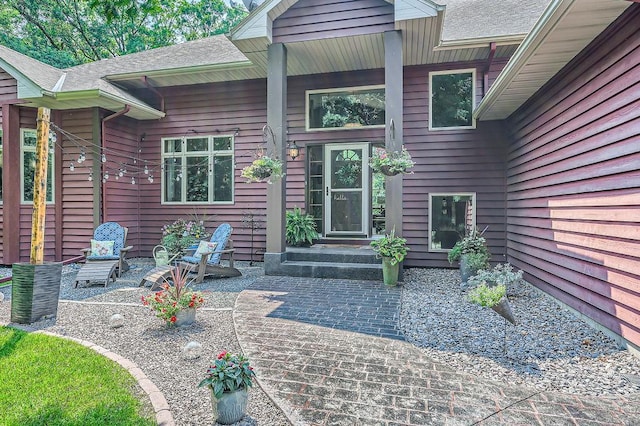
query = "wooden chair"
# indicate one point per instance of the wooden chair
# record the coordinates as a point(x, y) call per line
point(210, 263)
point(105, 267)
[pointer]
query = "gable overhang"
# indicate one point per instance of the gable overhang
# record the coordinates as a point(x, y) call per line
point(27, 88)
point(94, 98)
point(565, 28)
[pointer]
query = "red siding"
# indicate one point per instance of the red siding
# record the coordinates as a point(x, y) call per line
point(8, 92)
point(574, 181)
point(319, 19)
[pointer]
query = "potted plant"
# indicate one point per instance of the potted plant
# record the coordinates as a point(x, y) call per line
point(500, 274)
point(176, 304)
point(229, 378)
point(263, 168)
point(391, 163)
point(392, 249)
point(494, 297)
point(300, 229)
point(182, 234)
point(472, 253)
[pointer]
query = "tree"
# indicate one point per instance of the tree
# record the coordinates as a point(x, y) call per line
point(63, 33)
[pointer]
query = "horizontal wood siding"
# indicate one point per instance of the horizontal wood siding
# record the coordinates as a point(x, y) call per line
point(77, 192)
point(208, 110)
point(319, 19)
point(574, 182)
point(122, 197)
point(8, 92)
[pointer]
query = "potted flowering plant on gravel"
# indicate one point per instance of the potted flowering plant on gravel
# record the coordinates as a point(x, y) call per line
point(262, 168)
point(179, 235)
point(472, 253)
point(392, 249)
point(176, 304)
point(229, 378)
point(391, 163)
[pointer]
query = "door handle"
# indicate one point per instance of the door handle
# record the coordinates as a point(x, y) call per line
point(327, 190)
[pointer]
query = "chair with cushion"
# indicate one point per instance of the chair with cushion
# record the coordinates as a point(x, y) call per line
point(207, 260)
point(106, 256)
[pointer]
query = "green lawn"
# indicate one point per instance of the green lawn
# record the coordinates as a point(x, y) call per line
point(49, 381)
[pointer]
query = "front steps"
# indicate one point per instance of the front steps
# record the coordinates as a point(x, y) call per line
point(329, 261)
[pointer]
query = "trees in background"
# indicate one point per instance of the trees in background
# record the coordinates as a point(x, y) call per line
point(64, 33)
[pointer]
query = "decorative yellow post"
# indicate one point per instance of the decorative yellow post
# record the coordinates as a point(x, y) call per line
point(40, 187)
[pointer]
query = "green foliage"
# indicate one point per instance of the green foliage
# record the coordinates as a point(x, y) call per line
point(263, 168)
point(301, 228)
point(487, 296)
point(182, 233)
point(472, 243)
point(502, 274)
point(391, 162)
point(228, 373)
point(452, 99)
point(477, 261)
point(391, 246)
point(361, 109)
point(67, 33)
point(46, 380)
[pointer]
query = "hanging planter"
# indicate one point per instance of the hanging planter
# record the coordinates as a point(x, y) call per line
point(504, 309)
point(263, 168)
point(391, 163)
point(494, 297)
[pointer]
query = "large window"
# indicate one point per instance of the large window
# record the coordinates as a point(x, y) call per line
point(450, 217)
point(197, 169)
point(345, 108)
point(452, 99)
point(28, 166)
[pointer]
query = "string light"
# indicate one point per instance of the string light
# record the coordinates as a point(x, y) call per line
point(150, 178)
point(120, 173)
point(90, 176)
point(104, 158)
point(133, 180)
point(72, 167)
point(106, 175)
point(82, 157)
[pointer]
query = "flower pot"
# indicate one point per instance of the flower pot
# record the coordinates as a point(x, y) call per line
point(35, 291)
point(231, 406)
point(504, 309)
point(389, 272)
point(185, 317)
point(386, 170)
point(466, 270)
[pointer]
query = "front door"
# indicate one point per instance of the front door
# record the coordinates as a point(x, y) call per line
point(347, 185)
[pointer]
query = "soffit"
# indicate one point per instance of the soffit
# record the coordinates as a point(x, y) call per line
point(565, 29)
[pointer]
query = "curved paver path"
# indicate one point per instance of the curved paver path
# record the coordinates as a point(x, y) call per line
point(330, 353)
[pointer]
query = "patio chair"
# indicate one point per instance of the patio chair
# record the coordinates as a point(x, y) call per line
point(206, 263)
point(106, 257)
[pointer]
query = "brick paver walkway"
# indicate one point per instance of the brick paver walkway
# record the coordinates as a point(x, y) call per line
point(330, 352)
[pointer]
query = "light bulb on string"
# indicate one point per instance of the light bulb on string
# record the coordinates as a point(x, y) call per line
point(104, 158)
point(52, 137)
point(72, 166)
point(120, 173)
point(146, 170)
point(90, 176)
point(81, 157)
point(133, 180)
point(150, 178)
point(106, 175)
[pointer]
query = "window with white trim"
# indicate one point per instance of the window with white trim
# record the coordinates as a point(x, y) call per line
point(345, 108)
point(451, 99)
point(198, 170)
point(451, 216)
point(28, 139)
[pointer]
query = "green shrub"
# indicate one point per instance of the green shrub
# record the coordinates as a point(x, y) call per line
point(502, 273)
point(472, 243)
point(301, 228)
point(487, 296)
point(391, 246)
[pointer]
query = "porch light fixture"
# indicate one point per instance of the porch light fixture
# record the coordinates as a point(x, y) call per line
point(293, 150)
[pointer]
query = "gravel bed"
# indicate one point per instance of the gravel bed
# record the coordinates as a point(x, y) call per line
point(549, 348)
point(84, 313)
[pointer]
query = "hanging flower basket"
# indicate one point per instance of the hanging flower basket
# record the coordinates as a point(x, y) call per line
point(503, 308)
point(263, 168)
point(391, 163)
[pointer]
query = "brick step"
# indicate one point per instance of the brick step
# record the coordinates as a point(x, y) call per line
point(339, 270)
point(333, 255)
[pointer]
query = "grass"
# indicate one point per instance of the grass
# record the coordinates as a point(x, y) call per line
point(46, 380)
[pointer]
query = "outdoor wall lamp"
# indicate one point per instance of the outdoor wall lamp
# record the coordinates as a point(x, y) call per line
point(293, 150)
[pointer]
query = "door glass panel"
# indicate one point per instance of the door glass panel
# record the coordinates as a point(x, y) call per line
point(346, 211)
point(346, 167)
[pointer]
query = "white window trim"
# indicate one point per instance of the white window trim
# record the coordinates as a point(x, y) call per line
point(473, 100)
point(211, 154)
point(24, 149)
point(449, 194)
point(333, 90)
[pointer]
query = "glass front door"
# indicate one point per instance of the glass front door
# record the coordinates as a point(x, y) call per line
point(347, 189)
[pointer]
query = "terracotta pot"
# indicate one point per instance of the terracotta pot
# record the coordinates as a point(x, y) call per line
point(231, 406)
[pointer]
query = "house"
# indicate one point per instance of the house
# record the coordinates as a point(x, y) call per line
point(522, 117)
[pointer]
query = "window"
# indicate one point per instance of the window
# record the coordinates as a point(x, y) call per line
point(450, 217)
point(345, 108)
point(452, 99)
point(28, 166)
point(197, 169)
point(0, 166)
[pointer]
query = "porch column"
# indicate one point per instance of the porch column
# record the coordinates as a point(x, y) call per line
point(277, 120)
point(11, 183)
point(393, 79)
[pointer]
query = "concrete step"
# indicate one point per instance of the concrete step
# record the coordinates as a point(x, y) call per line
point(355, 255)
point(339, 270)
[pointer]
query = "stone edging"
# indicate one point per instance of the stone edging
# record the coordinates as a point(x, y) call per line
point(158, 401)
